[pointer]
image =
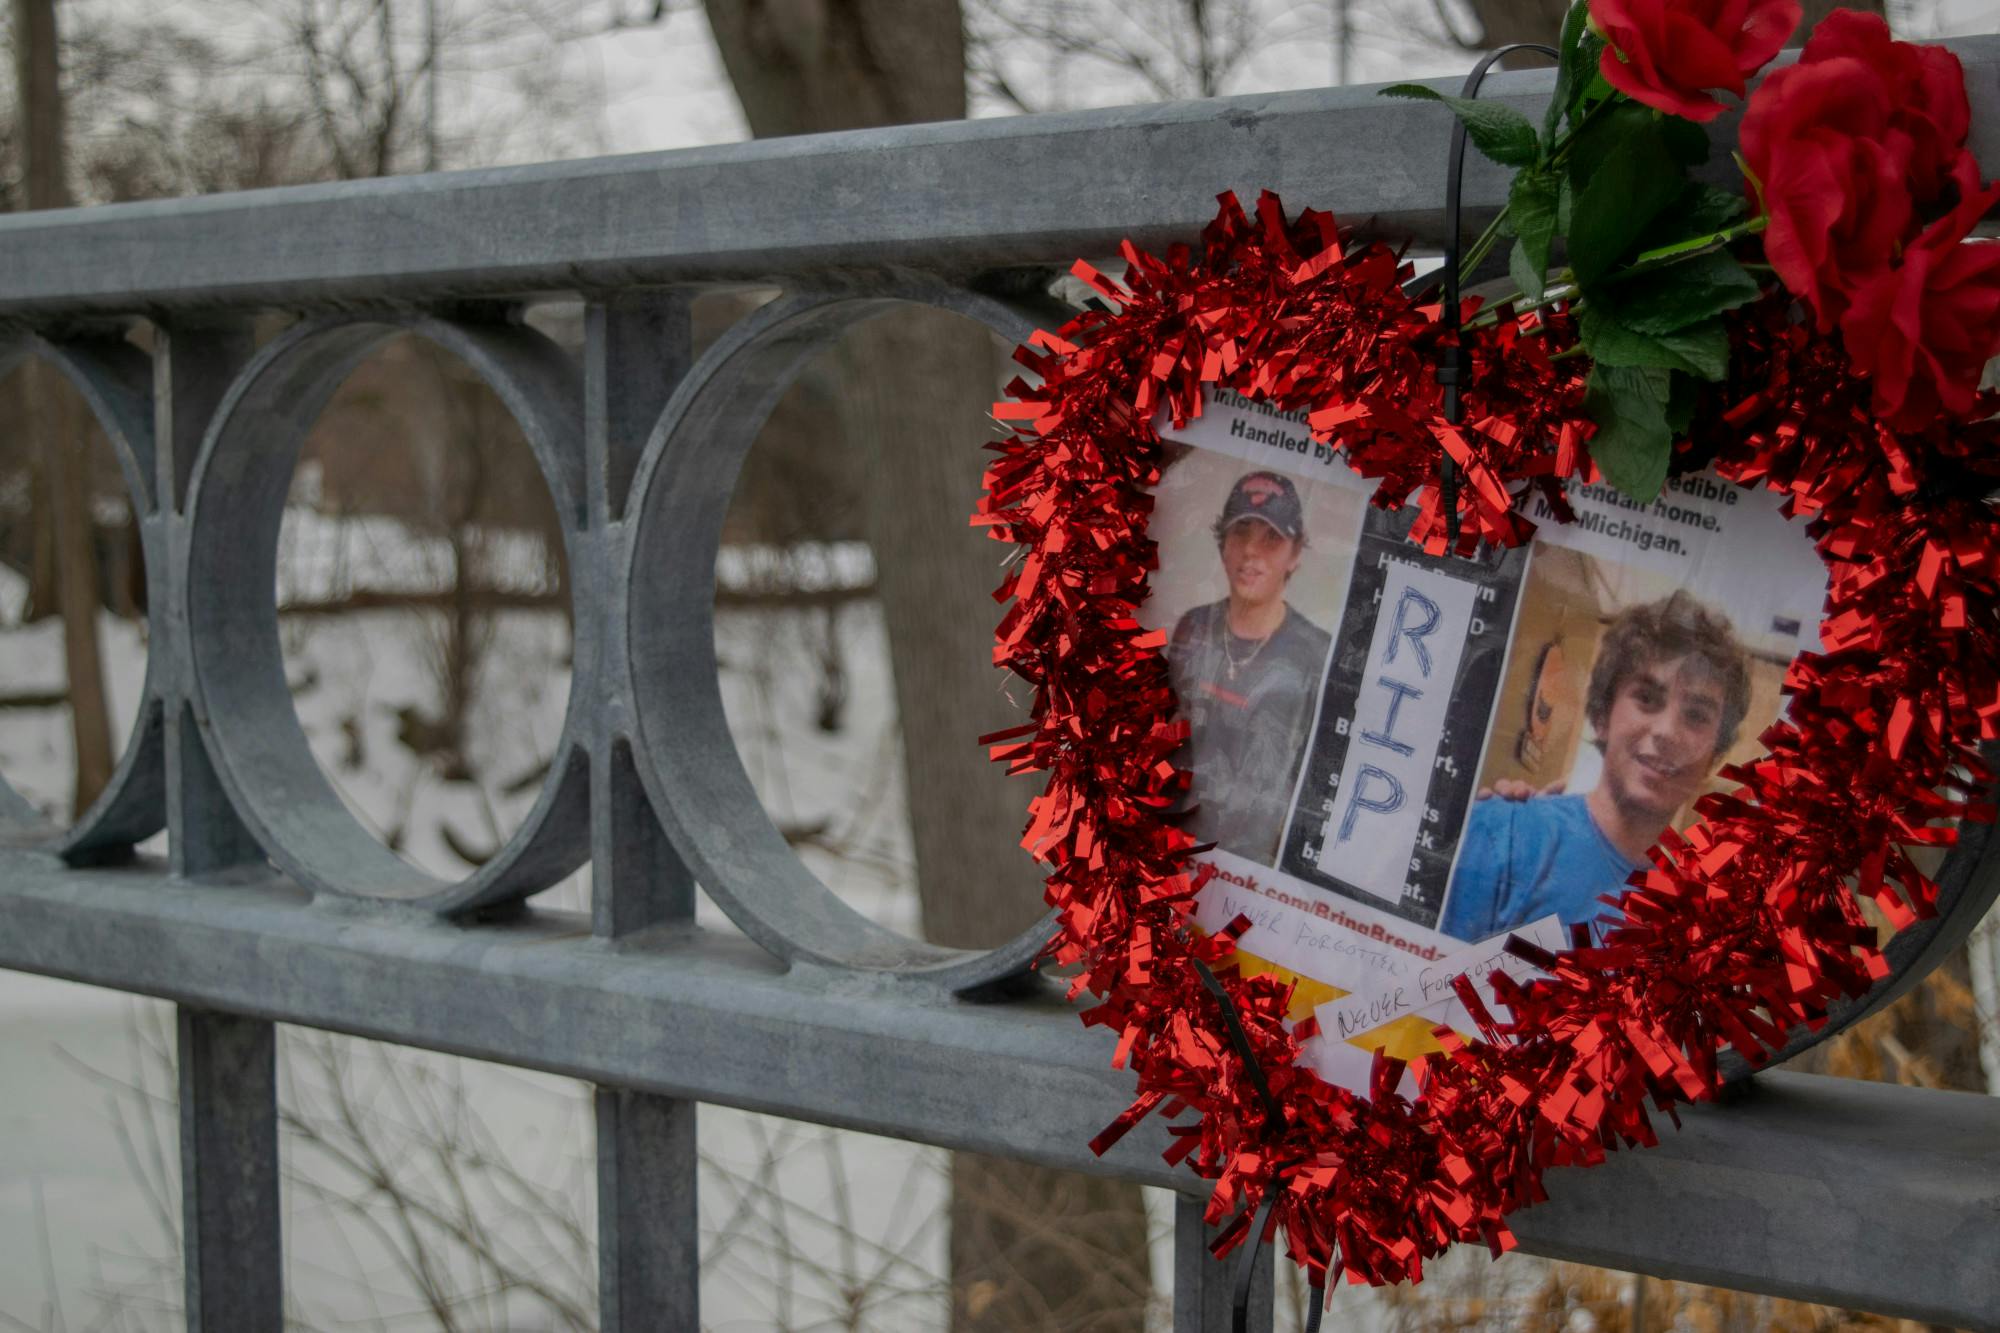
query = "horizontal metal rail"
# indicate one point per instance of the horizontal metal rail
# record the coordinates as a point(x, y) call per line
point(1824, 1189)
point(963, 197)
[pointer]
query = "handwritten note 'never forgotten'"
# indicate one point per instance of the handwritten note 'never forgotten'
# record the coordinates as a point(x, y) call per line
point(1428, 991)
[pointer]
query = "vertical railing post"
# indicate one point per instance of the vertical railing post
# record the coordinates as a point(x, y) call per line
point(231, 1247)
point(636, 348)
point(648, 1230)
point(229, 1173)
point(193, 366)
point(1204, 1285)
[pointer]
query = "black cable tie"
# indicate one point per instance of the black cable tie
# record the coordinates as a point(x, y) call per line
point(1448, 497)
point(1239, 1037)
point(1246, 1265)
point(1453, 367)
point(1453, 364)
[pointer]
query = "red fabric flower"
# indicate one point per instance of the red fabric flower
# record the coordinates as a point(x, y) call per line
point(1846, 146)
point(1820, 144)
point(1926, 89)
point(1669, 53)
point(1925, 329)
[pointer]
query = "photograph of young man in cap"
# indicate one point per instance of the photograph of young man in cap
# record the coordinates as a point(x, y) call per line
point(1246, 669)
point(1668, 692)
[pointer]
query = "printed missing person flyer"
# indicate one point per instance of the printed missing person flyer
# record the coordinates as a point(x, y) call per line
point(1402, 759)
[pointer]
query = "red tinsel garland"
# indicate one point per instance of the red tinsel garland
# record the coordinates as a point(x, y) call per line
point(1744, 928)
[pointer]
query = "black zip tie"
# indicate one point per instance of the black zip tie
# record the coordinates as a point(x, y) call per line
point(1239, 1038)
point(1448, 493)
point(1246, 1264)
point(1274, 1113)
point(1246, 1273)
point(1452, 361)
point(1452, 368)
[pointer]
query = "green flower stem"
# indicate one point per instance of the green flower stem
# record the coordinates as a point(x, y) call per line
point(1482, 247)
point(1520, 305)
point(1558, 154)
point(1648, 260)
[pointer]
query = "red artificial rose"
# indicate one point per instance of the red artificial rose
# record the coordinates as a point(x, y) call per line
point(1927, 102)
point(1669, 53)
point(1924, 330)
point(1821, 148)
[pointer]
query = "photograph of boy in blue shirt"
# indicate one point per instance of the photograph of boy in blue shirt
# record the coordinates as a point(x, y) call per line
point(1667, 695)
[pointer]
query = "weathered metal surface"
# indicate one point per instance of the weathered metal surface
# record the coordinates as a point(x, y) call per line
point(225, 569)
point(193, 367)
point(648, 1229)
point(686, 754)
point(1857, 1194)
point(964, 196)
point(1205, 1287)
point(230, 1219)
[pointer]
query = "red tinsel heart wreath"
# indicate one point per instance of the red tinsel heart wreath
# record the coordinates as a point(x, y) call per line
point(1744, 928)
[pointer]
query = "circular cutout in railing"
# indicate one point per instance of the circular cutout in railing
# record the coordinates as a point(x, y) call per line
point(423, 608)
point(79, 739)
point(840, 584)
point(805, 602)
point(378, 574)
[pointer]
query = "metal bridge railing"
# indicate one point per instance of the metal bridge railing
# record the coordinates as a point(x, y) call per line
point(274, 906)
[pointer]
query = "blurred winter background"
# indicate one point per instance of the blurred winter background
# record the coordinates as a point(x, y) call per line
point(424, 617)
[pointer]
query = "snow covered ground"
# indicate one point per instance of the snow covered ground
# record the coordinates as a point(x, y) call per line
point(37, 757)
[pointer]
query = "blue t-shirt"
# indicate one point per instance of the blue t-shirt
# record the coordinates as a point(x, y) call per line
point(1521, 860)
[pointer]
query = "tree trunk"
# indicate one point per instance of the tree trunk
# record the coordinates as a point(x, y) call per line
point(51, 416)
point(1031, 1248)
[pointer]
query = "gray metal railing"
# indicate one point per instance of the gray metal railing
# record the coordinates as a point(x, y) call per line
point(274, 906)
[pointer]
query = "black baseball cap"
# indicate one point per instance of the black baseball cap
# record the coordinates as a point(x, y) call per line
point(1268, 497)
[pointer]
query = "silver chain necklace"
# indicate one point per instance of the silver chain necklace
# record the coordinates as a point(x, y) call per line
point(1223, 636)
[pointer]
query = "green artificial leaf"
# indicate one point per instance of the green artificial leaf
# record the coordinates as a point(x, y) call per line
point(1531, 206)
point(1496, 129)
point(1700, 210)
point(1682, 398)
point(1605, 137)
point(1633, 443)
point(1565, 207)
point(1700, 349)
point(1687, 141)
point(1526, 273)
point(1590, 51)
point(1704, 346)
point(1703, 208)
point(1669, 299)
point(1617, 202)
point(1572, 75)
